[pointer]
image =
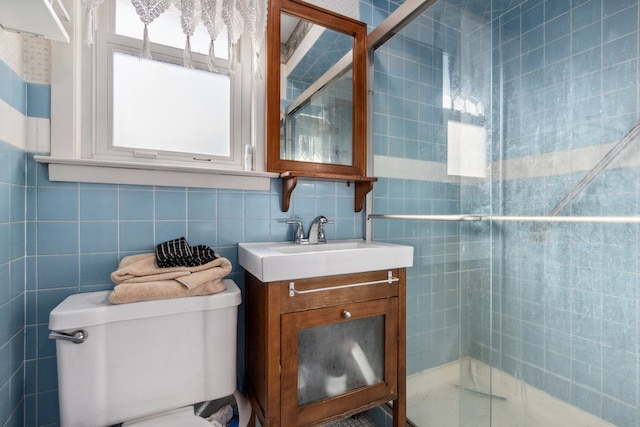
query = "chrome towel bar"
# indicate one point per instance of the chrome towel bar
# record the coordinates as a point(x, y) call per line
point(293, 291)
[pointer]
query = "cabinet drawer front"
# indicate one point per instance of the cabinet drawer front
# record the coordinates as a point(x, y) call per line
point(334, 290)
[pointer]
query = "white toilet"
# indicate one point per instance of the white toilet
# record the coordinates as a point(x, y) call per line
point(145, 363)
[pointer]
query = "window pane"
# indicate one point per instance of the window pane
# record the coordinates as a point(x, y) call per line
point(162, 106)
point(166, 30)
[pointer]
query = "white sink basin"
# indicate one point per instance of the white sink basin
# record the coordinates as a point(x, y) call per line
point(274, 261)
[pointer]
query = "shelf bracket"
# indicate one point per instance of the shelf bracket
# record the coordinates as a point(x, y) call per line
point(361, 191)
point(363, 185)
point(288, 184)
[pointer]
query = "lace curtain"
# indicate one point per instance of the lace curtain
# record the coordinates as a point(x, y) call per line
point(217, 15)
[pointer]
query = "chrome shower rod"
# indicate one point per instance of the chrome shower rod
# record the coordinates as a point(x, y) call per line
point(474, 217)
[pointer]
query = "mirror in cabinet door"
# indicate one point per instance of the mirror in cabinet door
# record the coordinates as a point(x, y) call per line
point(316, 122)
point(316, 91)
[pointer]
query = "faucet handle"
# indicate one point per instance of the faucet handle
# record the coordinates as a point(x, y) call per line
point(321, 219)
point(298, 237)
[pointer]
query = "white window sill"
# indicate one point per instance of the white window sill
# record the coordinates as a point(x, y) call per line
point(138, 173)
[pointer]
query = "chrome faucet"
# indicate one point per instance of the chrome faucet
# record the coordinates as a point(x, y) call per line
point(316, 232)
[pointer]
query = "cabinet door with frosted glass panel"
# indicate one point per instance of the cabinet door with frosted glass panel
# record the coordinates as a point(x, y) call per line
point(338, 358)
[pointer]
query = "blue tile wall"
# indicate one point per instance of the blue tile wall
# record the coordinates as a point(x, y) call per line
point(13, 92)
point(580, 280)
point(433, 311)
point(408, 100)
point(568, 296)
point(13, 89)
point(38, 100)
point(83, 230)
point(576, 58)
point(330, 47)
point(409, 122)
point(12, 284)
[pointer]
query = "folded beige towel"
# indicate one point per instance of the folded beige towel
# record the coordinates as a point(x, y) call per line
point(139, 278)
point(143, 268)
point(165, 289)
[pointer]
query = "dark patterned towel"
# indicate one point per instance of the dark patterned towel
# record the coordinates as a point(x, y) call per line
point(178, 253)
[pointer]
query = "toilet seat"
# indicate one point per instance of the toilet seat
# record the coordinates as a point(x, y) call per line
point(182, 417)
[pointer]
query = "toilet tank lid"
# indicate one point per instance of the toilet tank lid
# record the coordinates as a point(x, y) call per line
point(93, 308)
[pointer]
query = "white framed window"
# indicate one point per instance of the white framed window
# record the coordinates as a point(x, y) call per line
point(159, 109)
point(111, 109)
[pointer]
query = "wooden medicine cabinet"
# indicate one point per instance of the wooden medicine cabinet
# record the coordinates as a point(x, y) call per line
point(316, 97)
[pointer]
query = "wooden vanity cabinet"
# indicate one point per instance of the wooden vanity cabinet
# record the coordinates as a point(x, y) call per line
point(322, 349)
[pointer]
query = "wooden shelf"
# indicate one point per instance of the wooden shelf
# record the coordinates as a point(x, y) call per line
point(363, 185)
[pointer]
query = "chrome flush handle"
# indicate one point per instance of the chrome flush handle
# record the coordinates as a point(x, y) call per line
point(76, 337)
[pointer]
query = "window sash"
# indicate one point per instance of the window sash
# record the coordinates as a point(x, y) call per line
point(107, 44)
point(73, 126)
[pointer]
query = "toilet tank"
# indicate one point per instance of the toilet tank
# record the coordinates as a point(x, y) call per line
point(143, 358)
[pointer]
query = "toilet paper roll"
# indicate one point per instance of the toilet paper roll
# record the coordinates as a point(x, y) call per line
point(334, 386)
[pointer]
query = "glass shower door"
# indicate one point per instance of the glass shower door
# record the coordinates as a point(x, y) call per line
point(431, 131)
point(528, 315)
